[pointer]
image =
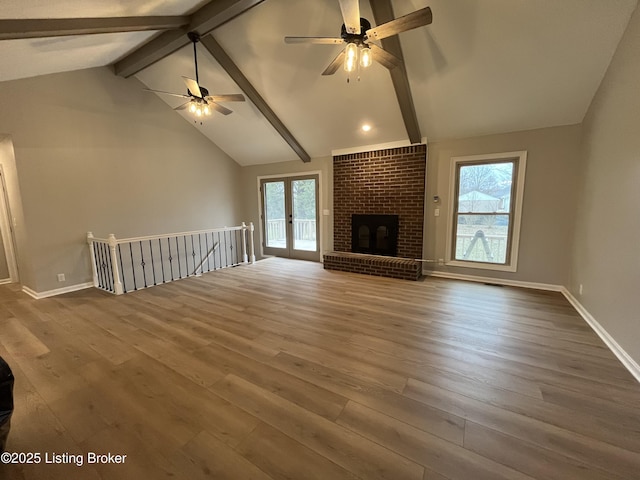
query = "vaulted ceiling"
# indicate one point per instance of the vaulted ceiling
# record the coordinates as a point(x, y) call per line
point(481, 67)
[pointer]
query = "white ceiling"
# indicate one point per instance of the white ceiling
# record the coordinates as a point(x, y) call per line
point(482, 67)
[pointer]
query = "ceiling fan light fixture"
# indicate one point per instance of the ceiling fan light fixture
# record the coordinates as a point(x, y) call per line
point(351, 57)
point(366, 56)
point(206, 110)
point(192, 107)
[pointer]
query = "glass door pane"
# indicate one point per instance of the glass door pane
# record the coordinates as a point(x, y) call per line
point(274, 213)
point(304, 198)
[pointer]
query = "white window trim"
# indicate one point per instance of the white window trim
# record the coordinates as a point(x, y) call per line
point(512, 263)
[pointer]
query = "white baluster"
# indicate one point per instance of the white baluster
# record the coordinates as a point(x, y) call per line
point(245, 258)
point(251, 250)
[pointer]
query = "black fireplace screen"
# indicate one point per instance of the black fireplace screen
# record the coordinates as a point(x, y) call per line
point(374, 234)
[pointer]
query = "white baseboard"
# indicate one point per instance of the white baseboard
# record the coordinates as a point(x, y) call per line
point(5, 281)
point(497, 281)
point(614, 346)
point(57, 291)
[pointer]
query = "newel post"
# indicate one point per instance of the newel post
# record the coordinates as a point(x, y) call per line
point(245, 258)
point(92, 252)
point(117, 284)
point(253, 253)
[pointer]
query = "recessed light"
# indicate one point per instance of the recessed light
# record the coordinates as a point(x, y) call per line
point(366, 127)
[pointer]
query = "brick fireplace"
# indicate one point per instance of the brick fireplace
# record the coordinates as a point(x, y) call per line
point(382, 182)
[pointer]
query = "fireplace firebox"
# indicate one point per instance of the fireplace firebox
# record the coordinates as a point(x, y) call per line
point(374, 234)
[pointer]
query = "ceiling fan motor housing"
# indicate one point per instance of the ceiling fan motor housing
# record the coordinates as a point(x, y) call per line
point(357, 38)
point(203, 90)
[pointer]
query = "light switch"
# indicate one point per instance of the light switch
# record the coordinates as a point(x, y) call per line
point(436, 212)
point(326, 212)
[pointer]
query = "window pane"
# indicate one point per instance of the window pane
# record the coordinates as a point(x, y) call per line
point(304, 214)
point(485, 188)
point(276, 234)
point(482, 238)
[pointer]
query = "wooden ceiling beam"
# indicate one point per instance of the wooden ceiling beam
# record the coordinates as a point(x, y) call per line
point(13, 29)
point(221, 56)
point(382, 13)
point(203, 21)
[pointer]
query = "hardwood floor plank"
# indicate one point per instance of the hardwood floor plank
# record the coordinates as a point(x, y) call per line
point(590, 450)
point(452, 461)
point(305, 394)
point(284, 458)
point(158, 394)
point(626, 416)
point(574, 419)
point(193, 367)
point(352, 452)
point(102, 342)
point(367, 373)
point(206, 456)
point(436, 421)
point(526, 457)
point(425, 365)
point(146, 457)
point(19, 340)
point(166, 330)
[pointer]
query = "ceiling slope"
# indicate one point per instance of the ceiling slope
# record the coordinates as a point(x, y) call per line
point(203, 21)
point(234, 72)
point(482, 67)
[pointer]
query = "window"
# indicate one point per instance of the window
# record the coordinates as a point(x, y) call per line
point(486, 205)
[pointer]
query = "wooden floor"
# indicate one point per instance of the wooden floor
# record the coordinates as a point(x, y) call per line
point(284, 370)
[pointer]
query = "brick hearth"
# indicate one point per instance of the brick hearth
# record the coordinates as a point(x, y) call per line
point(394, 267)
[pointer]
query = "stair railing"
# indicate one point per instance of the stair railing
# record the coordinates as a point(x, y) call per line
point(128, 264)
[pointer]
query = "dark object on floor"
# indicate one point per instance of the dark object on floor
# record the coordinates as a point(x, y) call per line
point(6, 402)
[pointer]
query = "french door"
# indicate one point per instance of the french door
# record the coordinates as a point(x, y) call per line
point(290, 217)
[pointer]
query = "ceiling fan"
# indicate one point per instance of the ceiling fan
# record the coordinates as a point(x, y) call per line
point(358, 35)
point(200, 103)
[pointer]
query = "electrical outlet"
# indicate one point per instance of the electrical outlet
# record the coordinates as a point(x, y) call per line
point(441, 261)
point(61, 277)
point(580, 289)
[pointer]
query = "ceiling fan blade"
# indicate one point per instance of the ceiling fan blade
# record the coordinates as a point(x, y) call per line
point(335, 65)
point(183, 106)
point(413, 20)
point(220, 108)
point(229, 97)
point(384, 58)
point(316, 40)
point(166, 93)
point(193, 86)
point(351, 15)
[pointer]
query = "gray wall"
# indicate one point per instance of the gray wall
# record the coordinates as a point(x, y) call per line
point(606, 252)
point(94, 152)
point(550, 200)
point(250, 192)
point(549, 205)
